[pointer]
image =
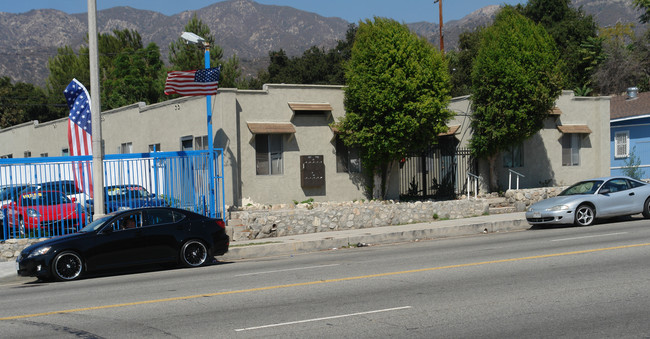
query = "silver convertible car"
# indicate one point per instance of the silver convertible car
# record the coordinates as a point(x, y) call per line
point(587, 200)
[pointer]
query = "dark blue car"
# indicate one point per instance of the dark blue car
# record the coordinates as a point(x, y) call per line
point(125, 197)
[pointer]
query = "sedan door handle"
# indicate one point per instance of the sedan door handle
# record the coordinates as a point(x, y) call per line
point(631, 194)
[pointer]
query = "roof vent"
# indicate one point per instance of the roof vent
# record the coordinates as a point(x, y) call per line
point(632, 93)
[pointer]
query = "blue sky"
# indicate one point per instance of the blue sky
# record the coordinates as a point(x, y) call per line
point(351, 10)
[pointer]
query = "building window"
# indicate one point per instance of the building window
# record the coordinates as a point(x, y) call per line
point(154, 148)
point(268, 154)
point(126, 148)
point(622, 144)
point(201, 143)
point(44, 155)
point(347, 159)
point(571, 149)
point(65, 152)
point(27, 154)
point(514, 156)
point(186, 143)
point(7, 156)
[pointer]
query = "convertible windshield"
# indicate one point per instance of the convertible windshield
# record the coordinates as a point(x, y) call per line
point(583, 187)
point(43, 199)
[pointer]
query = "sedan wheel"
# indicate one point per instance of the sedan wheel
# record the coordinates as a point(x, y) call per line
point(646, 208)
point(585, 215)
point(67, 266)
point(193, 254)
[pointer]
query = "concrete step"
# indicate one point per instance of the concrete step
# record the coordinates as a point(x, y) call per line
point(237, 231)
point(498, 202)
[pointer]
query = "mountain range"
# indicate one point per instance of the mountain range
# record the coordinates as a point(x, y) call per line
point(243, 27)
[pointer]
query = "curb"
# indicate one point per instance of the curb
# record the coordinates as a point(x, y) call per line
point(333, 240)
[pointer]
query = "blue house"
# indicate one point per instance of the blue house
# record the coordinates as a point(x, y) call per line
point(630, 132)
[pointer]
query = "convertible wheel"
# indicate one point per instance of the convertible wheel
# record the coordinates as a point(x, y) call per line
point(193, 254)
point(646, 208)
point(585, 215)
point(67, 266)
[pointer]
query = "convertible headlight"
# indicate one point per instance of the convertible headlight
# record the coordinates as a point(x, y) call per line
point(558, 208)
point(39, 251)
point(32, 213)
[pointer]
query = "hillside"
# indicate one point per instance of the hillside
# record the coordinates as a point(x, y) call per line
point(244, 27)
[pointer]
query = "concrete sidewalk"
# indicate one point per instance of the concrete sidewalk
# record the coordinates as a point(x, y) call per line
point(312, 242)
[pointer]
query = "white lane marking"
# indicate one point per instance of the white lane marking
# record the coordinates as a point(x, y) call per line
point(321, 319)
point(286, 270)
point(590, 236)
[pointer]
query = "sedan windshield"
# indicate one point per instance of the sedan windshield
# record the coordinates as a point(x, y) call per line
point(96, 224)
point(583, 187)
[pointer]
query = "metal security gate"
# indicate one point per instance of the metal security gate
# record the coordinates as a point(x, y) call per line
point(39, 197)
point(439, 172)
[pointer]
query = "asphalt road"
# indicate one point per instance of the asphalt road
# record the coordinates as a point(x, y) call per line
point(557, 282)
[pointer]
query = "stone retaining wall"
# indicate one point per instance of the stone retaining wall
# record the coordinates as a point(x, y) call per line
point(530, 196)
point(10, 248)
point(283, 220)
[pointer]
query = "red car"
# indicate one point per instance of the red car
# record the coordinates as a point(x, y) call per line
point(44, 213)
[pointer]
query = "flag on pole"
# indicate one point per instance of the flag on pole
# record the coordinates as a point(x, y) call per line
point(80, 134)
point(199, 82)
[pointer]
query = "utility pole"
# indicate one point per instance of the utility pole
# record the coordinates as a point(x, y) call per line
point(96, 114)
point(442, 40)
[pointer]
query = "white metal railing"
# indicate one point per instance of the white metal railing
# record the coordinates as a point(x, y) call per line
point(471, 176)
point(510, 178)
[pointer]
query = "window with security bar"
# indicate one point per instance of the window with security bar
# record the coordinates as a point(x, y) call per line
point(622, 144)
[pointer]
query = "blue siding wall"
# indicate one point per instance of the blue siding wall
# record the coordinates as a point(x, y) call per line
point(639, 131)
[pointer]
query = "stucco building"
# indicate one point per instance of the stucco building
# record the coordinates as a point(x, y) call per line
point(279, 147)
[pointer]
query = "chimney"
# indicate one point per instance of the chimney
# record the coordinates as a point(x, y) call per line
point(632, 93)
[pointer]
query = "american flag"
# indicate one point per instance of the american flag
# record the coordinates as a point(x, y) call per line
point(80, 134)
point(199, 82)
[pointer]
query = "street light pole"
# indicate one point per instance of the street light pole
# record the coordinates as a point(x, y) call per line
point(208, 101)
point(192, 38)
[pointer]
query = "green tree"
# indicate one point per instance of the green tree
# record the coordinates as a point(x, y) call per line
point(128, 71)
point(21, 102)
point(632, 166)
point(231, 74)
point(623, 64)
point(515, 82)
point(396, 96)
point(64, 67)
point(184, 56)
point(315, 66)
point(461, 61)
point(643, 5)
point(136, 75)
point(570, 28)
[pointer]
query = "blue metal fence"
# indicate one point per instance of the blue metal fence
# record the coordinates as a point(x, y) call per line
point(39, 198)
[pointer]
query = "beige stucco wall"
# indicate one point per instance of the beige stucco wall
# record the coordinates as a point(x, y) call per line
point(543, 151)
point(167, 122)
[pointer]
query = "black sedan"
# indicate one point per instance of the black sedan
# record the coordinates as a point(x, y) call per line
point(135, 237)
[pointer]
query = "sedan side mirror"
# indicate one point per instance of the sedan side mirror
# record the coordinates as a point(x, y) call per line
point(604, 191)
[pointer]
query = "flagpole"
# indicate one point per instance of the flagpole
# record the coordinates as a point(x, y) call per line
point(95, 112)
